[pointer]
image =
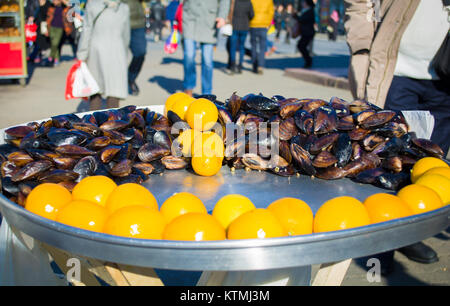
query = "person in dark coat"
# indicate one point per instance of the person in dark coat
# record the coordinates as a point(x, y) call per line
point(306, 18)
point(242, 14)
point(42, 38)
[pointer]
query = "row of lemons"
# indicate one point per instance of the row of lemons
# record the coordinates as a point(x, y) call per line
point(204, 146)
point(130, 210)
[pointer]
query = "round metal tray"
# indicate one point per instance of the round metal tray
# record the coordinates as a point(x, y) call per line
point(233, 255)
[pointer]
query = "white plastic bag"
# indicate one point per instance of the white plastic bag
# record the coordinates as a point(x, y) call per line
point(420, 122)
point(80, 83)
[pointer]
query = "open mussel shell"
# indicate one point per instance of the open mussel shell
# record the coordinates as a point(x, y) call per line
point(174, 163)
point(86, 166)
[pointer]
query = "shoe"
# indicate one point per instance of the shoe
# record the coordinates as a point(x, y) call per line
point(260, 71)
point(419, 252)
point(239, 69)
point(133, 89)
point(55, 63)
point(188, 92)
point(37, 60)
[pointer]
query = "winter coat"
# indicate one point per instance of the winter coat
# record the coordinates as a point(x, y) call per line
point(242, 14)
point(374, 46)
point(199, 19)
point(67, 25)
point(104, 46)
point(307, 20)
point(264, 11)
point(137, 15)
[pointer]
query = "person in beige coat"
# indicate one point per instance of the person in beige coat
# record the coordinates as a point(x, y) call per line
point(392, 47)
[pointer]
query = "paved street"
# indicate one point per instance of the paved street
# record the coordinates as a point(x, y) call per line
point(162, 75)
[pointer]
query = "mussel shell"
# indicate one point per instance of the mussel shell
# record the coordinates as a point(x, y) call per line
point(117, 138)
point(122, 168)
point(150, 152)
point(158, 167)
point(31, 170)
point(174, 163)
point(89, 128)
point(98, 143)
point(73, 150)
point(331, 173)
point(163, 139)
point(18, 131)
point(324, 159)
point(114, 125)
point(225, 116)
point(43, 154)
point(304, 121)
point(393, 163)
point(64, 163)
point(57, 175)
point(285, 171)
point(358, 134)
point(393, 181)
point(261, 103)
point(20, 158)
point(378, 119)
point(342, 149)
point(312, 105)
point(9, 187)
point(234, 104)
point(131, 178)
point(8, 168)
point(6, 149)
point(371, 141)
point(363, 115)
point(359, 106)
point(146, 168)
point(136, 120)
point(254, 161)
point(59, 138)
point(108, 153)
point(288, 110)
point(345, 123)
point(428, 147)
point(325, 120)
point(287, 129)
point(368, 176)
point(302, 159)
point(323, 143)
point(85, 167)
point(392, 147)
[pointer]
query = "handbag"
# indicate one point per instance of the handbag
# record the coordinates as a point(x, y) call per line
point(227, 29)
point(441, 61)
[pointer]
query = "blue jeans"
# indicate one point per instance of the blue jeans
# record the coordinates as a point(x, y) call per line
point(258, 40)
point(431, 95)
point(237, 39)
point(190, 75)
point(138, 46)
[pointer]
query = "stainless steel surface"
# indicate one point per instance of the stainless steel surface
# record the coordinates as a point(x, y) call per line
point(262, 188)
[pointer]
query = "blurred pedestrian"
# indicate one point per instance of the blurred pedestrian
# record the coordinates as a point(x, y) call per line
point(392, 51)
point(306, 18)
point(104, 47)
point(289, 22)
point(138, 43)
point(171, 10)
point(57, 25)
point(242, 14)
point(278, 19)
point(264, 12)
point(70, 34)
point(42, 39)
point(157, 18)
point(332, 28)
point(201, 18)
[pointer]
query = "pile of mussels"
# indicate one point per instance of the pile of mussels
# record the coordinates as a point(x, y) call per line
point(327, 140)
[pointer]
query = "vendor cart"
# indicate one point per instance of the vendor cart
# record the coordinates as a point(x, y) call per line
point(274, 261)
point(13, 63)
